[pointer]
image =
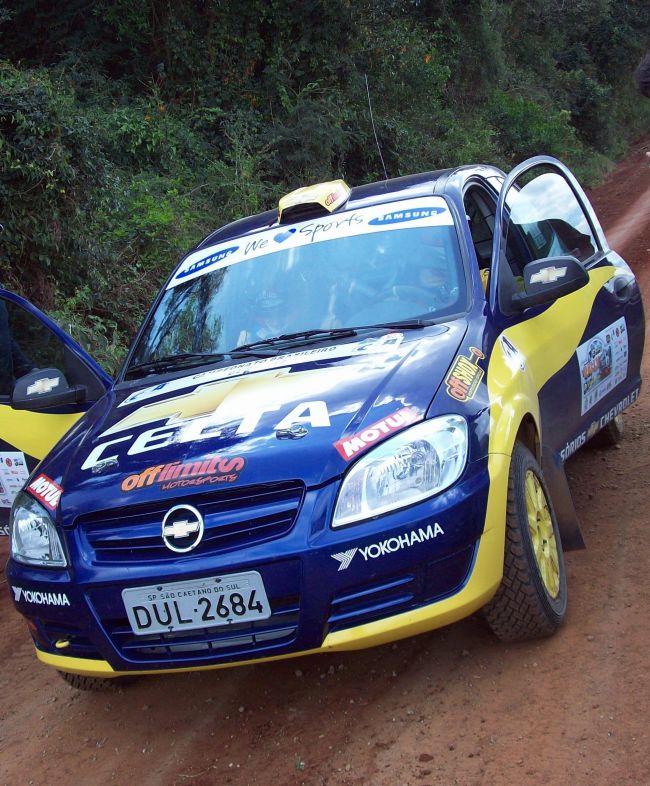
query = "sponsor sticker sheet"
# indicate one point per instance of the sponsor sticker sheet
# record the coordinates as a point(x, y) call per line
point(602, 361)
point(13, 474)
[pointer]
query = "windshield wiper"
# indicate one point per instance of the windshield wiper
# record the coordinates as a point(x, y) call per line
point(294, 339)
point(170, 362)
point(404, 324)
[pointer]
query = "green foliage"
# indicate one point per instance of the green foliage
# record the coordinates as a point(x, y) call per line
point(130, 129)
point(525, 128)
point(99, 335)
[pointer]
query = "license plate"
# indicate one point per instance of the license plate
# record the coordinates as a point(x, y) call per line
point(201, 603)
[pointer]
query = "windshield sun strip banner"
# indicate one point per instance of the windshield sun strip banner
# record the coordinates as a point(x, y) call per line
point(404, 214)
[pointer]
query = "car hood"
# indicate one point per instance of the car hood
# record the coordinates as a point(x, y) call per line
point(303, 415)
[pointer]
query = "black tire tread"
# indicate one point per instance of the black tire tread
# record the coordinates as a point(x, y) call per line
point(516, 612)
point(83, 682)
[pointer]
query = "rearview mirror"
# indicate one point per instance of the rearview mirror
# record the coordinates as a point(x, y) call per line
point(545, 280)
point(43, 389)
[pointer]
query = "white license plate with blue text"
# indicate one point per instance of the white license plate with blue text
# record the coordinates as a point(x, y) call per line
point(200, 603)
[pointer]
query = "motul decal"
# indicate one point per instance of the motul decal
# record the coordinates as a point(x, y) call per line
point(46, 491)
point(350, 446)
point(465, 375)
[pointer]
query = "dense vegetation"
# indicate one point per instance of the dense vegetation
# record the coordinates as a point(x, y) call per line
point(130, 128)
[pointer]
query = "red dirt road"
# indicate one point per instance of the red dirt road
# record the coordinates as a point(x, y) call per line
point(451, 707)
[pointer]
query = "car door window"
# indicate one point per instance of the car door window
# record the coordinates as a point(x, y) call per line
point(546, 219)
point(25, 344)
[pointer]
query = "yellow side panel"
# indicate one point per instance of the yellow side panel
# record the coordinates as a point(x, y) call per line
point(547, 343)
point(34, 433)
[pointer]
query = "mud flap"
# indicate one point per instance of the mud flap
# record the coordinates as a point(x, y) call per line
point(565, 512)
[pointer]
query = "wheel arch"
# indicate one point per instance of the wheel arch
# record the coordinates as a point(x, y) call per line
point(528, 435)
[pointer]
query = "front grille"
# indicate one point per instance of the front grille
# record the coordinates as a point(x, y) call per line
point(246, 638)
point(234, 518)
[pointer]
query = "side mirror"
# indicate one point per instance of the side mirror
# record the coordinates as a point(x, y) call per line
point(545, 280)
point(43, 389)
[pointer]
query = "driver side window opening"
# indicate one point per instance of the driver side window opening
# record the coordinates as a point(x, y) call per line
point(480, 207)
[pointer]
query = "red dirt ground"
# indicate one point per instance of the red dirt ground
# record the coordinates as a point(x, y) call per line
point(451, 707)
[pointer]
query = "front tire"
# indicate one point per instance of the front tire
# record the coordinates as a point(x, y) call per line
point(532, 598)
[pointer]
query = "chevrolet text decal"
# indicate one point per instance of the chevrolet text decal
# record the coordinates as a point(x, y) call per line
point(389, 546)
point(421, 211)
point(179, 474)
point(350, 446)
point(465, 375)
point(46, 491)
point(595, 426)
point(235, 403)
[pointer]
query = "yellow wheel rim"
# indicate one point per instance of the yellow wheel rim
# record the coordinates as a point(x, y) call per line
point(542, 535)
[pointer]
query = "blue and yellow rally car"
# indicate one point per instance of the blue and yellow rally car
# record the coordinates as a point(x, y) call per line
point(342, 423)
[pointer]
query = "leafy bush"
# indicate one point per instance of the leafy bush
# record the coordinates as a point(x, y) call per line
point(130, 129)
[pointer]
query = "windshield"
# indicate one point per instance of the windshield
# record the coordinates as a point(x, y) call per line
point(375, 265)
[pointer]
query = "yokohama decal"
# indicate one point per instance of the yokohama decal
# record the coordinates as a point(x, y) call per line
point(46, 491)
point(350, 446)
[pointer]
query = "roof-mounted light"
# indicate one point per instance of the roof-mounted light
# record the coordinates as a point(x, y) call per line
point(322, 196)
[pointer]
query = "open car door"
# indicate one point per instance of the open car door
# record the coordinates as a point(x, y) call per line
point(47, 382)
point(572, 306)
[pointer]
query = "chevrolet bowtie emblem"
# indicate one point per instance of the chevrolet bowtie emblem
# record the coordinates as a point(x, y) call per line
point(180, 529)
point(41, 386)
point(548, 275)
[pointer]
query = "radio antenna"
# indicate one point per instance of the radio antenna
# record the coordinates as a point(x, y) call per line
point(374, 130)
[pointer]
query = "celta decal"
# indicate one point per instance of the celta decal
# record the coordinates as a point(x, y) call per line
point(40, 598)
point(350, 446)
point(237, 405)
point(465, 375)
point(217, 469)
point(46, 491)
point(389, 546)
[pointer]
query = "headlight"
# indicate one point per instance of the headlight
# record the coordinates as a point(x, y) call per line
point(34, 539)
point(413, 465)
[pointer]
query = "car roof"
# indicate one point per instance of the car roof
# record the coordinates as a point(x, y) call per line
point(421, 184)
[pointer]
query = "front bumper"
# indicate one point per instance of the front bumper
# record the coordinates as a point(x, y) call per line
point(395, 585)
